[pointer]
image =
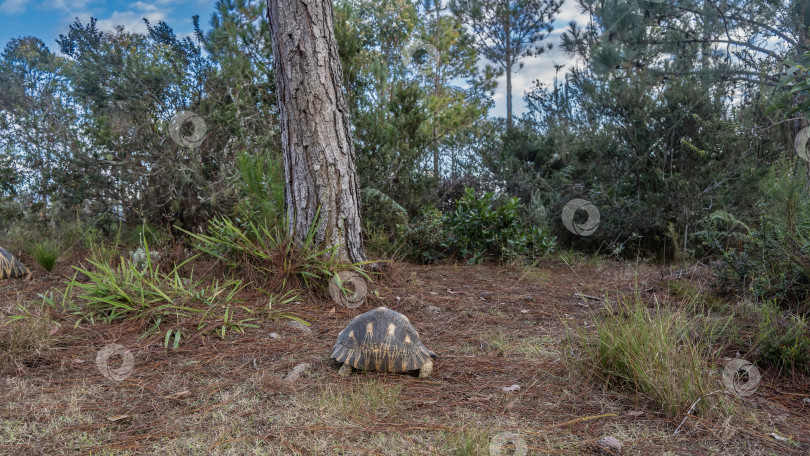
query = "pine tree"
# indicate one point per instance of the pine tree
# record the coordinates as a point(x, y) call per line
point(507, 31)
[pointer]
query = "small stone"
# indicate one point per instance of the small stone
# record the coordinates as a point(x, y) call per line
point(485, 295)
point(297, 372)
point(274, 335)
point(609, 446)
point(433, 309)
point(524, 311)
point(511, 388)
point(300, 326)
point(433, 293)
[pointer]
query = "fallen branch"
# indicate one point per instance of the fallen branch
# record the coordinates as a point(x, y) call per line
point(694, 404)
point(595, 298)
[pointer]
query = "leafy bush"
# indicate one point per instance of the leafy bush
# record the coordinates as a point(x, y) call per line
point(46, 253)
point(383, 219)
point(657, 352)
point(766, 267)
point(380, 244)
point(425, 236)
point(477, 229)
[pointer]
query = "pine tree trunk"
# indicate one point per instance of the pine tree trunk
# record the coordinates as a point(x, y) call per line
point(319, 160)
point(508, 95)
point(507, 33)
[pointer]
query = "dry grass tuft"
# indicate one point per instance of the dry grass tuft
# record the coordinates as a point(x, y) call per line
point(25, 337)
point(656, 352)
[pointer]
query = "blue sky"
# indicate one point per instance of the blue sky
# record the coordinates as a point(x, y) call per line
point(46, 19)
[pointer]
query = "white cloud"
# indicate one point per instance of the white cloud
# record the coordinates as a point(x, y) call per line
point(570, 11)
point(13, 6)
point(131, 20)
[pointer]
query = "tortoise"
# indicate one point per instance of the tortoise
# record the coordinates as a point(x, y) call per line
point(382, 340)
point(11, 267)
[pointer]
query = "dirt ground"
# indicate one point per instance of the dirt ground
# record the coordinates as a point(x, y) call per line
point(496, 326)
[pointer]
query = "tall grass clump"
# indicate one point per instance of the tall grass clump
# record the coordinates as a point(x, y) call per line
point(46, 253)
point(26, 335)
point(659, 353)
point(139, 290)
point(265, 254)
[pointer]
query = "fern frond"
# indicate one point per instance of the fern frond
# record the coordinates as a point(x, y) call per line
point(369, 192)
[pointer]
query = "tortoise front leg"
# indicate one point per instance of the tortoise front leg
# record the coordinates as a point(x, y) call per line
point(345, 370)
point(426, 369)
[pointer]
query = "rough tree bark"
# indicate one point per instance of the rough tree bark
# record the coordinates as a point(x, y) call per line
point(319, 159)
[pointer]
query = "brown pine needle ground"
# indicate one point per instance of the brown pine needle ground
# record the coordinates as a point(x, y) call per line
point(218, 397)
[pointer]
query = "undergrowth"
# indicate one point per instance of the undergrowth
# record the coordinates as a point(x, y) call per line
point(782, 341)
point(46, 252)
point(662, 354)
point(27, 333)
point(266, 255)
point(139, 290)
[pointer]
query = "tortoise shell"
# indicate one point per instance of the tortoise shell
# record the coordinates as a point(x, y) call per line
point(382, 340)
point(11, 267)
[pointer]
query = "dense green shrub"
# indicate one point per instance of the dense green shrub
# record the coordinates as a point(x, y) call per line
point(772, 260)
point(783, 341)
point(769, 262)
point(478, 228)
point(765, 266)
point(424, 237)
